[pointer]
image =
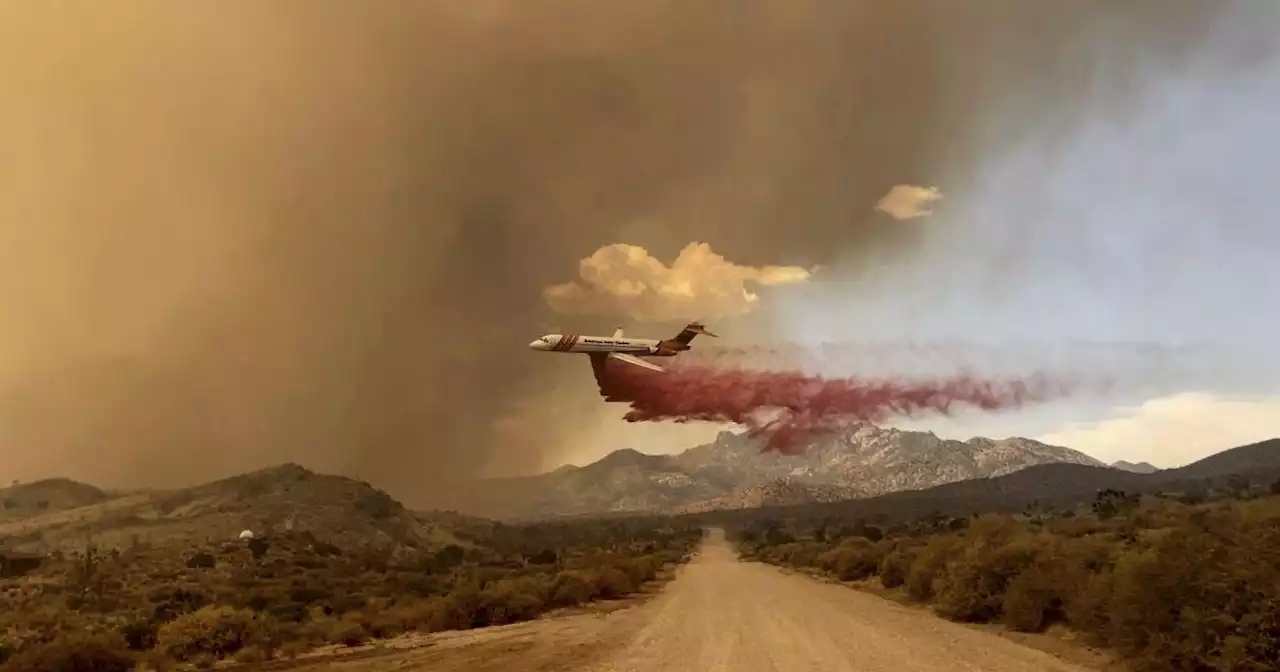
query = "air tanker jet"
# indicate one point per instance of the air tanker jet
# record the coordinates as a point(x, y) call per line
point(620, 348)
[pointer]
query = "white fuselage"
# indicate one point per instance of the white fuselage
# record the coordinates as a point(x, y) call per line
point(588, 344)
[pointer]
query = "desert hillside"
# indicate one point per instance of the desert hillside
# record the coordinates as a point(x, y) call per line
point(22, 500)
point(275, 500)
point(166, 577)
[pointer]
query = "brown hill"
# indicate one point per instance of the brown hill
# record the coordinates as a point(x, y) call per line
point(274, 500)
point(1135, 467)
point(22, 500)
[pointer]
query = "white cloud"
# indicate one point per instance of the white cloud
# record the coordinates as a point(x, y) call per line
point(1175, 430)
point(905, 201)
point(623, 279)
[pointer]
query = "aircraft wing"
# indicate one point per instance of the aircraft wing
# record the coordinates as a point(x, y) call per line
point(632, 359)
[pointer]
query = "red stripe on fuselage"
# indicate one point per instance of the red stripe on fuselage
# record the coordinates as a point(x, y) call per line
point(566, 342)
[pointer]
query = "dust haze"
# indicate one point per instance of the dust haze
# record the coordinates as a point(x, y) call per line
point(241, 234)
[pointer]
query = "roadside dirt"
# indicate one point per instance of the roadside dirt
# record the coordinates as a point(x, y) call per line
point(719, 615)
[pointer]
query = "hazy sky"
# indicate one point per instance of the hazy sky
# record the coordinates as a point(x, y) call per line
point(1142, 214)
point(263, 231)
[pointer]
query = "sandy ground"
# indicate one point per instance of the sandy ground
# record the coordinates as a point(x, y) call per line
point(721, 614)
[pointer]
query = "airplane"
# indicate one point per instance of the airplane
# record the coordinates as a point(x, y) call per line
point(621, 348)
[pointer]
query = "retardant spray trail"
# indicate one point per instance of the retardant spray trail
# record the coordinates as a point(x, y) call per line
point(787, 408)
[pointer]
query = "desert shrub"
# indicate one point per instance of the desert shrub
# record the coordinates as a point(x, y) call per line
point(140, 634)
point(611, 583)
point(457, 611)
point(448, 557)
point(418, 615)
point(252, 654)
point(215, 630)
point(1032, 600)
point(972, 586)
point(572, 588)
point(546, 556)
point(928, 566)
point(202, 561)
point(258, 547)
point(348, 633)
point(1087, 608)
point(642, 569)
point(1206, 596)
point(895, 566)
point(855, 559)
point(74, 652)
point(374, 622)
point(310, 593)
point(509, 601)
point(170, 604)
point(796, 554)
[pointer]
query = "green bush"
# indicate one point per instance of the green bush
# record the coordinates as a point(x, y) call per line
point(895, 567)
point(572, 588)
point(511, 601)
point(929, 565)
point(217, 631)
point(972, 586)
point(855, 559)
point(1031, 601)
point(612, 583)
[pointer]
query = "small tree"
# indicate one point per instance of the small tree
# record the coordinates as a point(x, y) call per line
point(258, 547)
point(1111, 503)
point(774, 536)
point(1238, 487)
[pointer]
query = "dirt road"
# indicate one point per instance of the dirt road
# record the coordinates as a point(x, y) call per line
point(722, 615)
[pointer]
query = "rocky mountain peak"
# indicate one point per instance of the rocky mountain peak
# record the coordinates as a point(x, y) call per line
point(734, 470)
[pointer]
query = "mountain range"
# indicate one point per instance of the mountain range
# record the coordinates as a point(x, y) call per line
point(1255, 467)
point(702, 483)
point(734, 471)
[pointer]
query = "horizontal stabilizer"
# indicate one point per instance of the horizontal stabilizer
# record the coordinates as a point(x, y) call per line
point(632, 359)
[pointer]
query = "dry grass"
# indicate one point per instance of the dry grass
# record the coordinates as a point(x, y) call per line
point(1164, 584)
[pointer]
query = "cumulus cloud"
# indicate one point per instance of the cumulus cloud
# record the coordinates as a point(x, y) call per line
point(906, 201)
point(626, 280)
point(1174, 430)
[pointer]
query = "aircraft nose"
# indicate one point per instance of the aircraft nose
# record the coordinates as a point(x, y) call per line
point(537, 345)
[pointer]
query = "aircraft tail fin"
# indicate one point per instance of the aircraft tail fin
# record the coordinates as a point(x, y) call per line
point(690, 331)
point(617, 333)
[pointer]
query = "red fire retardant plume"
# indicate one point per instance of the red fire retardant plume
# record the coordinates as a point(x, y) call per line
point(789, 408)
